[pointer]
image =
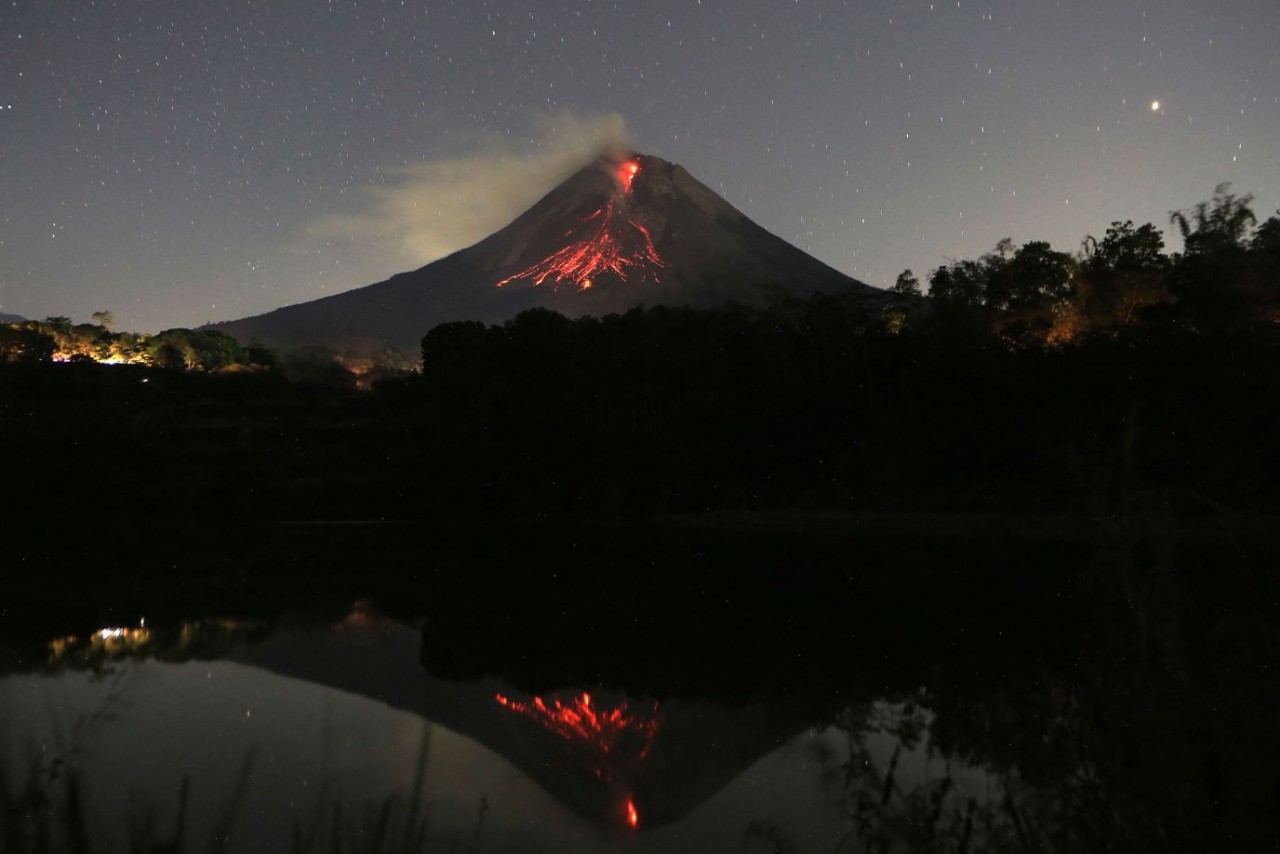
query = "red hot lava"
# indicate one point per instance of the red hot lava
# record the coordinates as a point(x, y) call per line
point(612, 737)
point(612, 243)
point(627, 173)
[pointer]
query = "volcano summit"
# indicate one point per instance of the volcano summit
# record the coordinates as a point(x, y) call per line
point(620, 232)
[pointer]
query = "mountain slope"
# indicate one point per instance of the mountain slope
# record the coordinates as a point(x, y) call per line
point(618, 233)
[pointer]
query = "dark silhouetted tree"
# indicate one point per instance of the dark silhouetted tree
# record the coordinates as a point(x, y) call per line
point(959, 285)
point(1121, 275)
point(1208, 277)
point(1264, 279)
point(1216, 226)
point(196, 349)
point(907, 284)
point(24, 342)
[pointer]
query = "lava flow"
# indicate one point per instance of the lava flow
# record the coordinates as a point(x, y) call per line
point(614, 737)
point(615, 244)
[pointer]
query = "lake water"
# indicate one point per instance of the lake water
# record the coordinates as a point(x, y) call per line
point(703, 706)
point(342, 718)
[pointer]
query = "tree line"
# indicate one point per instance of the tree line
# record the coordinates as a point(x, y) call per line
point(57, 339)
point(1127, 379)
point(1227, 277)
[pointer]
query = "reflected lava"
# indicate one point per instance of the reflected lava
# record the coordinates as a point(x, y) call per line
point(614, 737)
point(633, 817)
point(608, 242)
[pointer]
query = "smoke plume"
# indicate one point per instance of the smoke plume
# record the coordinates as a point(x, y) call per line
point(433, 208)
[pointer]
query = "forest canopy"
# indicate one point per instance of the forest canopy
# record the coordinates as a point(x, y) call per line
point(1226, 278)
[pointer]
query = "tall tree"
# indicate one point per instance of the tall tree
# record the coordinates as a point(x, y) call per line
point(1264, 279)
point(960, 284)
point(1121, 275)
point(1208, 278)
point(1216, 226)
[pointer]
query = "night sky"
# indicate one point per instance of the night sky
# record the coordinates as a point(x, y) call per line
point(183, 162)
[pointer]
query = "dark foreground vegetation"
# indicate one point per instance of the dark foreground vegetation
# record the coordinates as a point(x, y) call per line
point(802, 406)
point(1122, 382)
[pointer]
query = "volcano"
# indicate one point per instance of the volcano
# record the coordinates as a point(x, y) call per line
point(623, 231)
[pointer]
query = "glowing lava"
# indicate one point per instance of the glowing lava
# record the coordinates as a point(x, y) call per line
point(613, 243)
point(627, 173)
point(633, 817)
point(614, 737)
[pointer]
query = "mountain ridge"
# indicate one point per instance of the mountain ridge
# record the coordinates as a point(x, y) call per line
point(625, 230)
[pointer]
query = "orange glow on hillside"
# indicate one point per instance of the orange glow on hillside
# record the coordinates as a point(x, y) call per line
point(612, 243)
point(613, 736)
point(633, 817)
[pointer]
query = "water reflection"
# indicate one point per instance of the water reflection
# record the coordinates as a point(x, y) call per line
point(264, 758)
point(662, 759)
point(610, 740)
point(331, 734)
point(1123, 703)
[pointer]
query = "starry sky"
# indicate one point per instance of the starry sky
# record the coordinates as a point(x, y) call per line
point(177, 163)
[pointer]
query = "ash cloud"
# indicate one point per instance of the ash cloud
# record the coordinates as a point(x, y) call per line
point(431, 209)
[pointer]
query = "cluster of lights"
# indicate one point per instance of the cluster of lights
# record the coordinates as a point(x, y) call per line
point(109, 639)
point(121, 633)
point(117, 632)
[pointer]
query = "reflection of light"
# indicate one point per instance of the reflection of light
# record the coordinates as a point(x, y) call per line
point(59, 647)
point(109, 640)
point(113, 634)
point(116, 636)
point(362, 616)
point(124, 641)
point(617, 736)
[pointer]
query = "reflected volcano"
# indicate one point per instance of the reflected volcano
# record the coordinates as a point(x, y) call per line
point(913, 708)
point(611, 759)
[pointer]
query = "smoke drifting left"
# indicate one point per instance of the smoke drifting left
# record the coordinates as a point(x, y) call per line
point(430, 209)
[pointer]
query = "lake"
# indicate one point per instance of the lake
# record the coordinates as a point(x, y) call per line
point(775, 685)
